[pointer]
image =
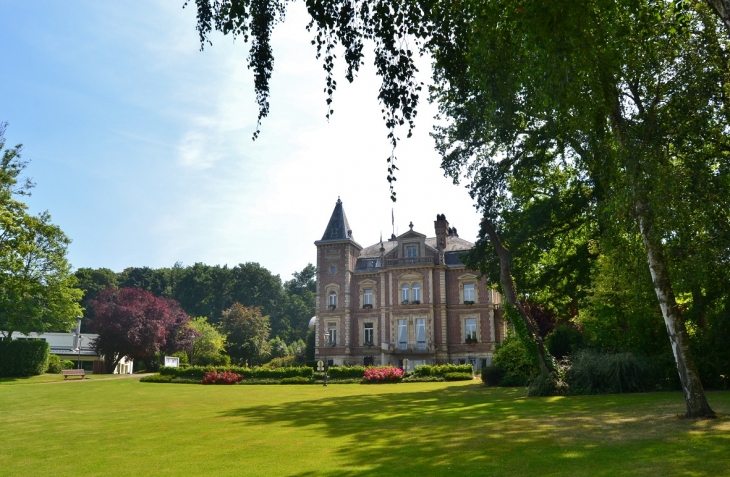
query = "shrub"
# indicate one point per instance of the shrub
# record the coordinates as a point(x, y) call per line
point(458, 376)
point(594, 372)
point(54, 364)
point(382, 374)
point(213, 360)
point(296, 380)
point(67, 364)
point(346, 371)
point(225, 377)
point(260, 381)
point(492, 375)
point(515, 362)
point(156, 378)
point(249, 373)
point(282, 362)
point(423, 379)
point(564, 341)
point(23, 357)
point(442, 369)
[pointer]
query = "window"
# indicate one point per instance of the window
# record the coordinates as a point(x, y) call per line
point(333, 299)
point(368, 333)
point(421, 333)
point(470, 326)
point(416, 292)
point(332, 334)
point(367, 297)
point(405, 293)
point(402, 334)
point(469, 292)
point(411, 251)
point(333, 270)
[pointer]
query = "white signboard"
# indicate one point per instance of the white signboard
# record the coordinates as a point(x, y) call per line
point(172, 361)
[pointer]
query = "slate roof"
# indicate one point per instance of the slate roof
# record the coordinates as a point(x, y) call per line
point(369, 256)
point(338, 227)
point(70, 351)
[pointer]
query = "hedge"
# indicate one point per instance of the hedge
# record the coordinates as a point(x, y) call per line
point(198, 372)
point(346, 371)
point(458, 376)
point(23, 357)
point(442, 369)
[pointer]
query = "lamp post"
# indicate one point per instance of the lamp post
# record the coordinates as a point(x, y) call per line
point(324, 347)
point(192, 348)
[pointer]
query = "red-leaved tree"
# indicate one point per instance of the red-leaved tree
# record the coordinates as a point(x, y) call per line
point(133, 322)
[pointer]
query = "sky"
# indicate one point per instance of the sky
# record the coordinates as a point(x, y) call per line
point(141, 146)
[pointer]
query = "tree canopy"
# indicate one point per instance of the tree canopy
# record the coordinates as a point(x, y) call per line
point(37, 291)
point(582, 128)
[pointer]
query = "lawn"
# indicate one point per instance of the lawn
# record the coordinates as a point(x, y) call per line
point(124, 427)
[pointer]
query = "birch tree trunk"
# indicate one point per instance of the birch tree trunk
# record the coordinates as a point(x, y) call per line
point(694, 395)
point(510, 292)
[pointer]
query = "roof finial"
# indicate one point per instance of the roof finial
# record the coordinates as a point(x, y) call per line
point(411, 225)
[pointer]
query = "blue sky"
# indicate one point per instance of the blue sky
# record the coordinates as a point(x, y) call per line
point(140, 144)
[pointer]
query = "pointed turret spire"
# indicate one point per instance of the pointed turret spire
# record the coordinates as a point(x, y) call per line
point(338, 227)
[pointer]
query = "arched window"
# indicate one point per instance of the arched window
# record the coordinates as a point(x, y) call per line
point(333, 299)
point(405, 293)
point(416, 292)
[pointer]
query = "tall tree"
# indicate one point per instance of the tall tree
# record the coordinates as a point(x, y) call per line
point(37, 291)
point(133, 322)
point(247, 334)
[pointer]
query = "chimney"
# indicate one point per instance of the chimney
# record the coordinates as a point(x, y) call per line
point(442, 231)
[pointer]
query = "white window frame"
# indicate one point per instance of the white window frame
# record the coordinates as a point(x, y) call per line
point(332, 298)
point(469, 292)
point(402, 325)
point(421, 333)
point(368, 329)
point(470, 328)
point(367, 297)
point(416, 292)
point(332, 334)
point(405, 293)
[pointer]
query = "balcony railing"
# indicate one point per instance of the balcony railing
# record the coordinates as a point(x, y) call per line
point(411, 348)
point(400, 262)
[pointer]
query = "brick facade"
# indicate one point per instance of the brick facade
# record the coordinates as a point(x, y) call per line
point(417, 311)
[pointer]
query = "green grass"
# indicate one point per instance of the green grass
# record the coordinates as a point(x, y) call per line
point(54, 378)
point(124, 427)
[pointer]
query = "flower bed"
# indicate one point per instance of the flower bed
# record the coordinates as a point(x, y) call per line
point(225, 377)
point(382, 374)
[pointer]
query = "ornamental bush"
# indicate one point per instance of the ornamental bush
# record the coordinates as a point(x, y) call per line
point(156, 378)
point(296, 380)
point(249, 373)
point(442, 369)
point(346, 371)
point(423, 379)
point(382, 374)
point(593, 372)
point(54, 364)
point(225, 377)
point(458, 376)
point(492, 375)
point(23, 357)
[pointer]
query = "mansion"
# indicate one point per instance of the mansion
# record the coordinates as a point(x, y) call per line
point(409, 300)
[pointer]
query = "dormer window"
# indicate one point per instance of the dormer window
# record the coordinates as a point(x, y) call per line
point(411, 251)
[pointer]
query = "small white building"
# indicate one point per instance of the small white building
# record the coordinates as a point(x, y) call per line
point(66, 346)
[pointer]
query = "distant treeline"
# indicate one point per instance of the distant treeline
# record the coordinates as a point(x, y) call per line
point(208, 290)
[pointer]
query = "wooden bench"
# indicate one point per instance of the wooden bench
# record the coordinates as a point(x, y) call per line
point(73, 372)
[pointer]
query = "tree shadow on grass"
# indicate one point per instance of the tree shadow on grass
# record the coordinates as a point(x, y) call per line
point(470, 430)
